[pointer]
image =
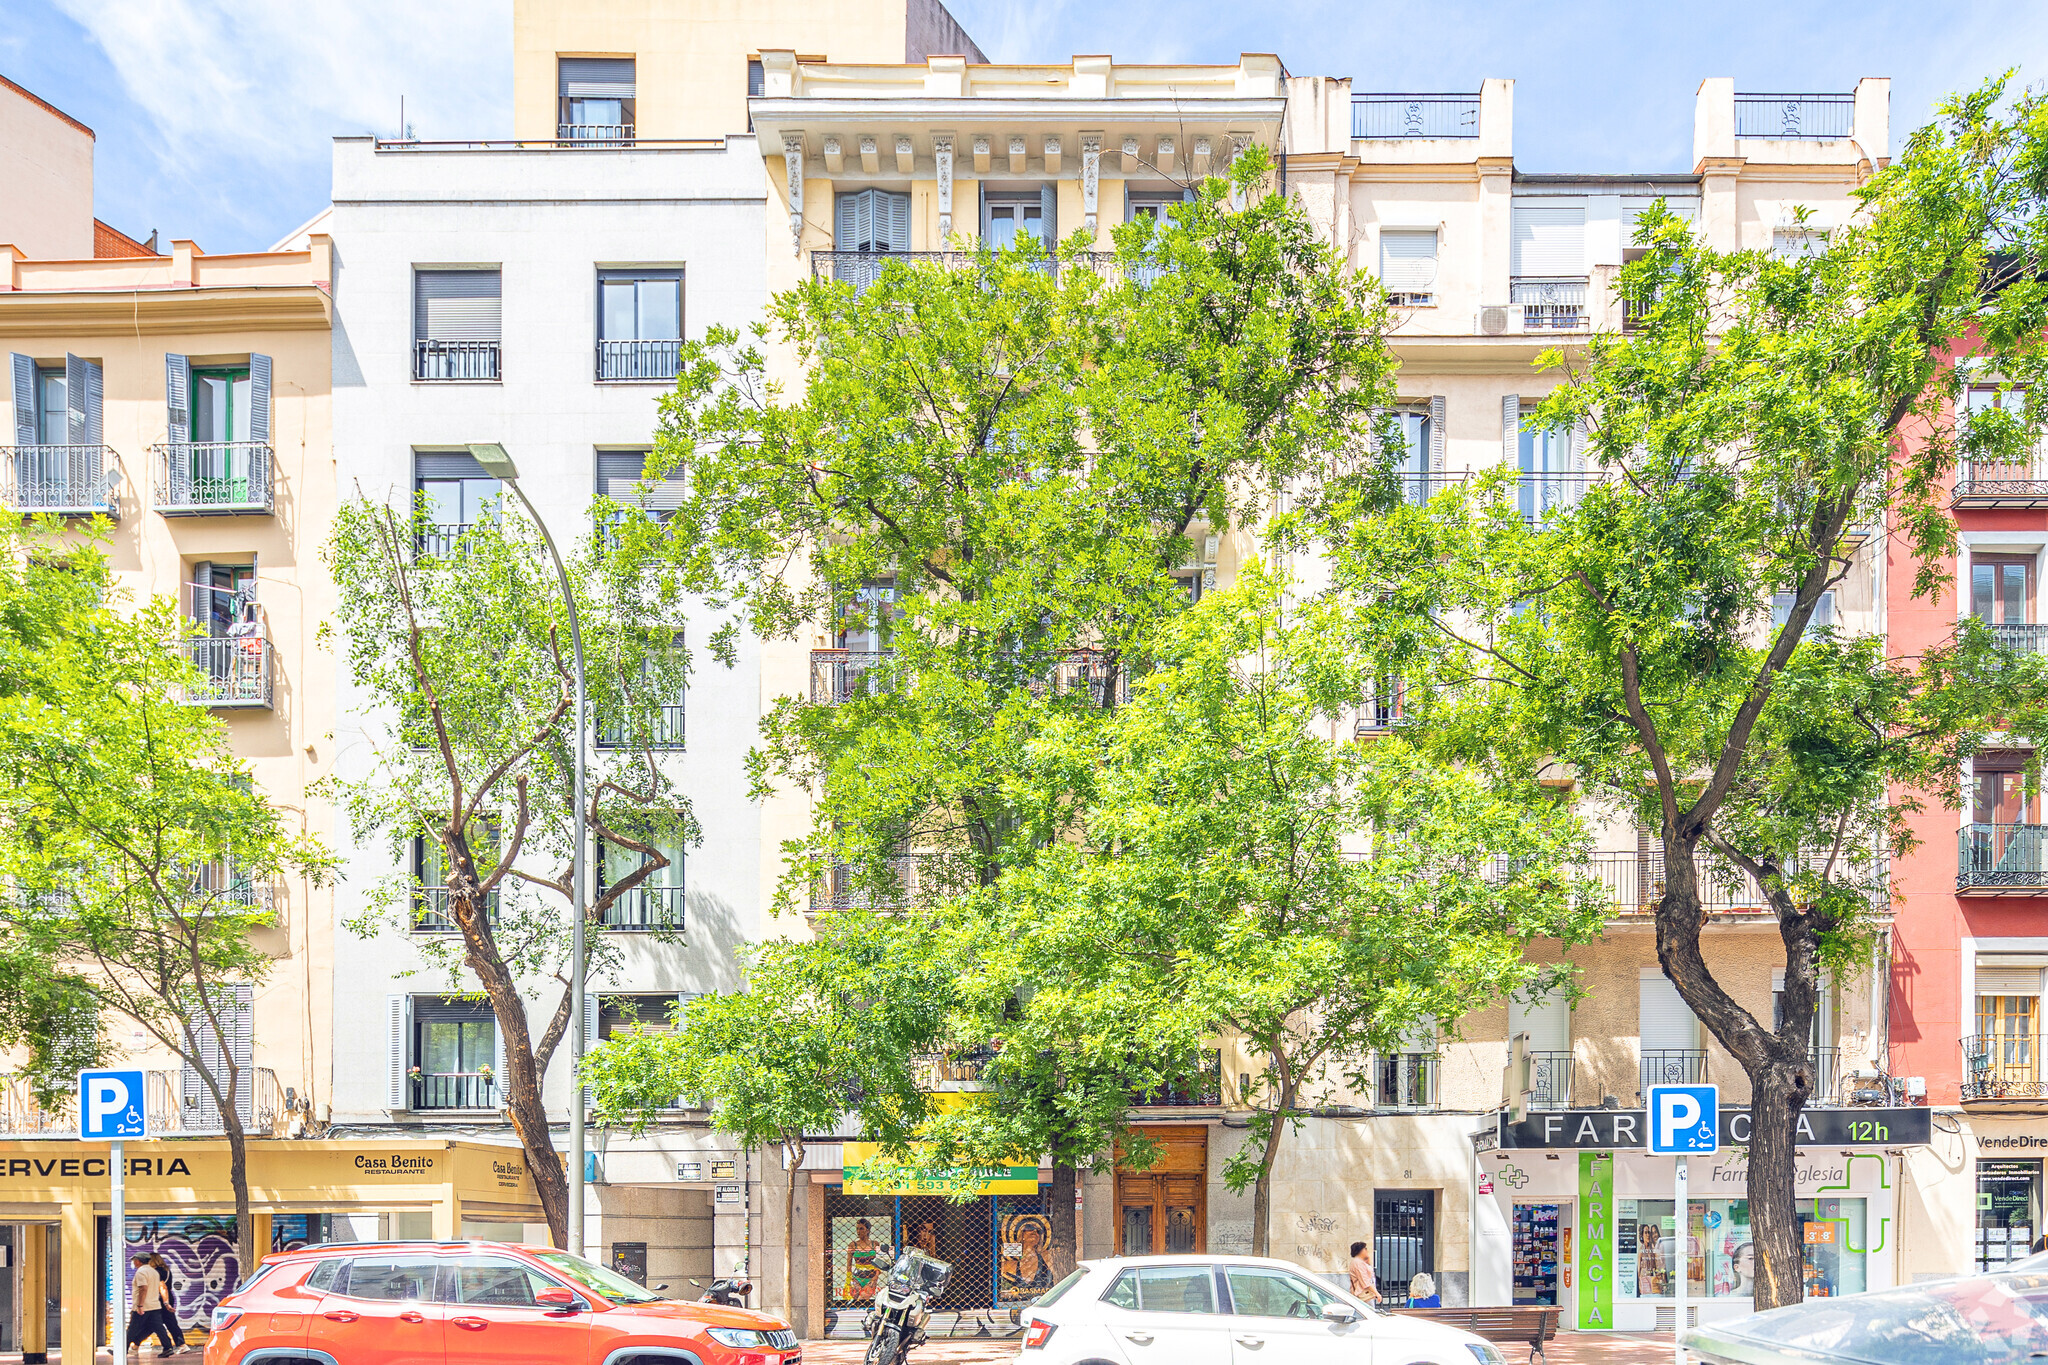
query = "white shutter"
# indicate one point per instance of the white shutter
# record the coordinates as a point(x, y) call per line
point(24, 400)
point(898, 238)
point(1665, 1023)
point(498, 1064)
point(1511, 430)
point(1547, 1020)
point(1408, 260)
point(456, 305)
point(1048, 216)
point(235, 1006)
point(1439, 413)
point(177, 399)
point(1577, 457)
point(596, 78)
point(95, 403)
point(75, 399)
point(1549, 240)
point(592, 1006)
point(399, 1089)
point(259, 399)
point(2008, 981)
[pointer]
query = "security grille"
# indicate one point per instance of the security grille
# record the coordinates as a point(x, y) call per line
point(1403, 1239)
point(996, 1246)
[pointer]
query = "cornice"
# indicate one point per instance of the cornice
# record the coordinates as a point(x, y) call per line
point(277, 308)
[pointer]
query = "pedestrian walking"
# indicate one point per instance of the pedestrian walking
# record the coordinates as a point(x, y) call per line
point(146, 1295)
point(170, 1292)
point(1364, 1282)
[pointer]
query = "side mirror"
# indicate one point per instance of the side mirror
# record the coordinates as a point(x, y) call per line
point(1339, 1312)
point(556, 1300)
point(659, 1287)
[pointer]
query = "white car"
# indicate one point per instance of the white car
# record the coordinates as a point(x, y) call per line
point(1226, 1310)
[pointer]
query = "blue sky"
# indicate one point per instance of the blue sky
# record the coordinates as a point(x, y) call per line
point(213, 115)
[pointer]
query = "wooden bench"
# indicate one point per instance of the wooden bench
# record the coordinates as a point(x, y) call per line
point(1529, 1326)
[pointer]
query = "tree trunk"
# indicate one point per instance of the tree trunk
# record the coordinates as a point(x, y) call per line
point(1775, 1101)
point(793, 1158)
point(1262, 1188)
point(250, 1255)
point(1065, 1250)
point(520, 1085)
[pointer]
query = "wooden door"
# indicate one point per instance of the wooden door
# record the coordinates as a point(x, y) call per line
point(1164, 1209)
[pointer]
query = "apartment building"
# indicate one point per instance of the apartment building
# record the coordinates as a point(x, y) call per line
point(1968, 951)
point(184, 398)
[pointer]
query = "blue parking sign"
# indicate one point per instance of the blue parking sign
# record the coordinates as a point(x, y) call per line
point(1684, 1120)
point(111, 1104)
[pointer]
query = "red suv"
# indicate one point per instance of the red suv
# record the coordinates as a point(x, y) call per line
point(474, 1303)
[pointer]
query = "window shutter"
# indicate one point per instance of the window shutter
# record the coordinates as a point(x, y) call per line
point(1547, 1020)
point(259, 399)
point(1511, 429)
point(596, 78)
point(1407, 260)
point(1577, 437)
point(1049, 214)
point(1438, 411)
point(24, 400)
point(498, 1064)
point(198, 596)
point(95, 403)
point(843, 208)
point(1664, 1022)
point(234, 1005)
point(177, 399)
point(2007, 981)
point(446, 464)
point(399, 1090)
point(239, 1018)
point(591, 1004)
point(899, 221)
point(456, 305)
point(77, 399)
point(1549, 240)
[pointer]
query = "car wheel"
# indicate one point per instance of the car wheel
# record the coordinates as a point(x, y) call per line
point(882, 1350)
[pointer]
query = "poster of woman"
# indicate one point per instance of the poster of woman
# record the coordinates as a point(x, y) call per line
point(1025, 1272)
point(862, 1263)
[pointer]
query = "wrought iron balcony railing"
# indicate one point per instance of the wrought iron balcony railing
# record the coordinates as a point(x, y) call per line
point(438, 539)
point(175, 1107)
point(646, 908)
point(1379, 117)
point(628, 360)
point(840, 675)
point(213, 478)
point(594, 134)
point(863, 268)
point(1634, 883)
point(2002, 857)
point(1824, 118)
point(455, 360)
point(22, 1116)
point(65, 480)
point(228, 888)
point(1405, 1080)
point(1826, 1064)
point(234, 670)
point(666, 732)
point(1672, 1066)
point(2021, 637)
point(454, 1090)
point(839, 889)
point(430, 910)
point(1550, 303)
point(1550, 1080)
point(2003, 1066)
point(1542, 496)
point(1203, 1090)
point(965, 1066)
point(1418, 486)
point(2004, 483)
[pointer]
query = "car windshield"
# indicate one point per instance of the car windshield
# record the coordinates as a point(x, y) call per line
point(590, 1275)
point(1982, 1320)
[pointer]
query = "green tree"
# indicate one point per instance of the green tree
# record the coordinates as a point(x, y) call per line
point(464, 647)
point(1000, 478)
point(1765, 411)
point(822, 1029)
point(141, 854)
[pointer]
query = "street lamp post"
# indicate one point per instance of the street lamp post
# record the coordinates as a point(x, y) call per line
point(498, 465)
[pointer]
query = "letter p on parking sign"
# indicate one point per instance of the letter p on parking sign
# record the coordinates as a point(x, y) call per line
point(111, 1104)
point(1685, 1120)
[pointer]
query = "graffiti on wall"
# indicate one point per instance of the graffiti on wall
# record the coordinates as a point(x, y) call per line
point(205, 1266)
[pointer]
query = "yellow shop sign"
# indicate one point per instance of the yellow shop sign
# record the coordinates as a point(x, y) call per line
point(867, 1172)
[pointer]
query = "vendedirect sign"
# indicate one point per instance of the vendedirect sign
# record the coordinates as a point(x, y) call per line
point(1606, 1129)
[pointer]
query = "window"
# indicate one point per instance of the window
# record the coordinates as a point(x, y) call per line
point(52, 416)
point(1406, 1077)
point(639, 324)
point(456, 324)
point(430, 913)
point(1164, 1289)
point(1550, 479)
point(456, 493)
point(231, 649)
point(1155, 205)
point(58, 464)
point(1408, 266)
point(217, 421)
point(1793, 244)
point(1823, 610)
point(863, 621)
point(657, 902)
point(620, 474)
point(622, 1016)
point(596, 99)
point(1547, 265)
point(220, 597)
point(406, 1279)
point(757, 85)
point(871, 221)
point(324, 1275)
point(455, 1054)
point(1009, 216)
point(494, 1281)
point(2001, 793)
point(1257, 1292)
point(2002, 589)
point(220, 404)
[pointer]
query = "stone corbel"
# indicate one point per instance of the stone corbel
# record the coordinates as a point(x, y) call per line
point(1091, 173)
point(835, 158)
point(942, 158)
point(1165, 156)
point(793, 166)
point(1130, 162)
point(981, 154)
point(870, 157)
point(1016, 154)
point(906, 155)
point(1201, 162)
point(1052, 156)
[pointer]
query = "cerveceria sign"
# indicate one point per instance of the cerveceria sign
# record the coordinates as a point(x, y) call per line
point(1607, 1129)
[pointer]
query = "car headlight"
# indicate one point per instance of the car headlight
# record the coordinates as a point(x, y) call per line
point(737, 1336)
point(1486, 1353)
point(222, 1316)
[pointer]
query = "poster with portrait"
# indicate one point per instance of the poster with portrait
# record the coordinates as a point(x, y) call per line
point(1024, 1264)
point(1731, 1249)
point(860, 1248)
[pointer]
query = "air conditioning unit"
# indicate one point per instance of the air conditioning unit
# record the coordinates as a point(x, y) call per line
point(1500, 320)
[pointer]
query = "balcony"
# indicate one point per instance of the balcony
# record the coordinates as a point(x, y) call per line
point(1418, 486)
point(838, 889)
point(1405, 1080)
point(454, 1090)
point(438, 540)
point(1672, 1066)
point(1202, 1090)
point(1085, 673)
point(22, 1116)
point(840, 675)
point(227, 888)
point(65, 481)
point(1542, 496)
point(1380, 716)
point(1634, 883)
point(627, 361)
point(863, 268)
point(1826, 1065)
point(2020, 637)
point(666, 733)
point(213, 478)
point(2002, 860)
point(1811, 118)
point(455, 361)
point(430, 910)
point(176, 1108)
point(1550, 1080)
point(958, 1069)
point(2016, 483)
point(235, 671)
point(594, 134)
point(1391, 117)
point(645, 909)
point(1550, 303)
point(2004, 1066)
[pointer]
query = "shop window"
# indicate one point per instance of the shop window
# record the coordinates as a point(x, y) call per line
point(1537, 1253)
point(1833, 1237)
point(2008, 1212)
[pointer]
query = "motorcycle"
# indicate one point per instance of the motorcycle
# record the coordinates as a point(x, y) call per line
point(732, 1293)
point(902, 1306)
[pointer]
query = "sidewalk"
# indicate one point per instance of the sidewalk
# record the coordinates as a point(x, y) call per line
point(1570, 1348)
